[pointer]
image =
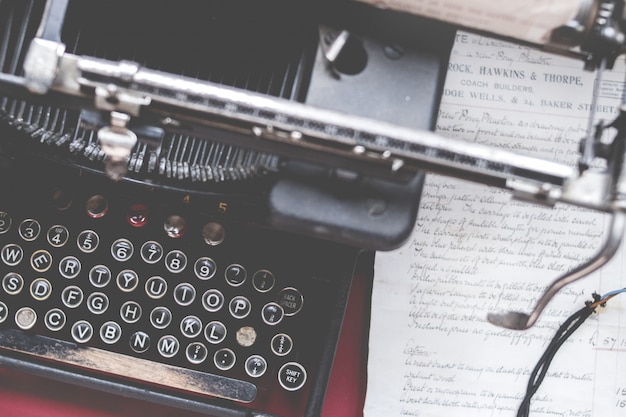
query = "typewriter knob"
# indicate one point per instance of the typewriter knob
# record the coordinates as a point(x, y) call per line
point(61, 200)
point(137, 215)
point(175, 226)
point(97, 206)
point(213, 233)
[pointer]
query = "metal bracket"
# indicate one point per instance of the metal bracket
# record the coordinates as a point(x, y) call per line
point(516, 320)
point(41, 64)
point(117, 141)
point(332, 44)
point(109, 98)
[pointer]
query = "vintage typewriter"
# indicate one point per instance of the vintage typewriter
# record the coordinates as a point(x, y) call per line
point(188, 270)
point(187, 186)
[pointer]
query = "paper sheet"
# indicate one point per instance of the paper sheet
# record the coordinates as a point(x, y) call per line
point(474, 251)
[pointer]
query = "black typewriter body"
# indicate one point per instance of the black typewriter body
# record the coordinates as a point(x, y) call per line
point(211, 277)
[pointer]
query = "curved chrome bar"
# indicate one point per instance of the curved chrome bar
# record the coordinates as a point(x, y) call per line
point(521, 321)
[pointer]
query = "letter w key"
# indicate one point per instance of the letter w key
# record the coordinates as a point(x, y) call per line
point(12, 254)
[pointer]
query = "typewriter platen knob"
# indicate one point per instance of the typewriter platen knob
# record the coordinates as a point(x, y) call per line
point(175, 226)
point(213, 233)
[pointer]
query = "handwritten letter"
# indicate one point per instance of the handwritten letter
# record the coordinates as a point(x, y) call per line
point(475, 250)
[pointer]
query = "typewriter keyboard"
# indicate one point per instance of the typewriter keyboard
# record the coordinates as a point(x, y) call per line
point(166, 295)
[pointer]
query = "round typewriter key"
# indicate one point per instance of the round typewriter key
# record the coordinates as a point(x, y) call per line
point(292, 376)
point(184, 294)
point(127, 280)
point(272, 314)
point(224, 359)
point(175, 261)
point(256, 366)
point(191, 326)
point(215, 332)
point(25, 318)
point(40, 289)
point(263, 280)
point(281, 344)
point(41, 260)
point(151, 252)
point(72, 296)
point(235, 274)
point(156, 287)
point(291, 300)
point(12, 254)
point(137, 215)
point(88, 241)
point(168, 346)
point(212, 300)
point(82, 331)
point(246, 336)
point(122, 250)
point(100, 276)
point(4, 312)
point(139, 342)
point(69, 267)
point(205, 268)
point(239, 307)
point(130, 312)
point(12, 283)
point(97, 302)
point(175, 226)
point(5, 222)
point(196, 353)
point(55, 319)
point(29, 229)
point(58, 236)
point(110, 332)
point(213, 233)
point(97, 206)
point(160, 317)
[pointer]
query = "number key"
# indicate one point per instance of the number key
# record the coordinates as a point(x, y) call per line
point(205, 268)
point(175, 261)
point(122, 250)
point(88, 241)
point(151, 252)
point(58, 235)
point(29, 229)
point(5, 222)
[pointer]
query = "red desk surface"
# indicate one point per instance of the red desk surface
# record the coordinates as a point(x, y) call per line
point(27, 396)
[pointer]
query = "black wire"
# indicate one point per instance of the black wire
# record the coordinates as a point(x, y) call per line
point(541, 368)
